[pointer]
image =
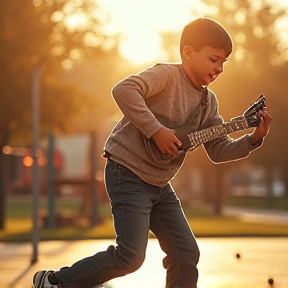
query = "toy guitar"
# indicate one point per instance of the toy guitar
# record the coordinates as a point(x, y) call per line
point(191, 141)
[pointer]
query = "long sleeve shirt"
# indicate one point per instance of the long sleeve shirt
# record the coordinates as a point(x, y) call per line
point(163, 95)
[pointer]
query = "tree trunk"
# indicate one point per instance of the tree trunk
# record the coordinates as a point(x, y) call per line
point(2, 191)
point(218, 193)
point(3, 175)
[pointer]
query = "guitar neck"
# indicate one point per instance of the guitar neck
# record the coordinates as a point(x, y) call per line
point(200, 137)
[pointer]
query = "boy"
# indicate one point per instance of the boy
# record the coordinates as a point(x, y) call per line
point(155, 102)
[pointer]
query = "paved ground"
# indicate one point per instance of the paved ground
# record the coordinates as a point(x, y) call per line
point(260, 259)
point(257, 215)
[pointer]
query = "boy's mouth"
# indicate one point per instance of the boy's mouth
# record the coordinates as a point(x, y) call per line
point(213, 77)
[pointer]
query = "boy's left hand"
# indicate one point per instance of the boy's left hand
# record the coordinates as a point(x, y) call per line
point(262, 130)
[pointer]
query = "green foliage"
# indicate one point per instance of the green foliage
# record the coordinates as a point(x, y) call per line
point(258, 65)
point(36, 33)
point(253, 29)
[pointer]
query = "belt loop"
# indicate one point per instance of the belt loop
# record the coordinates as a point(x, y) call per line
point(106, 154)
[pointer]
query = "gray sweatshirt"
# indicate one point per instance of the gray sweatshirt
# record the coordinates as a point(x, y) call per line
point(163, 95)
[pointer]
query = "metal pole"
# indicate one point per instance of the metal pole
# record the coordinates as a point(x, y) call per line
point(35, 169)
point(50, 178)
point(94, 206)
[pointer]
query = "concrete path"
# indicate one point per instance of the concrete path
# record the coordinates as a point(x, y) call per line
point(259, 259)
point(257, 215)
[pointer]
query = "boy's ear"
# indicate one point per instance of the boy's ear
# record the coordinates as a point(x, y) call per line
point(187, 52)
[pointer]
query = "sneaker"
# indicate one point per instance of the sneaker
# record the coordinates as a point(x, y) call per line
point(40, 280)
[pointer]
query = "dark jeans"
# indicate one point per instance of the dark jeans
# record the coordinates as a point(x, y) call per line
point(136, 208)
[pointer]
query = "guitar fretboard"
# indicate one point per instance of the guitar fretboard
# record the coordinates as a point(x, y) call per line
point(211, 133)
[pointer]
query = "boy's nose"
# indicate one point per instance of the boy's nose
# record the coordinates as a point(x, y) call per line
point(219, 69)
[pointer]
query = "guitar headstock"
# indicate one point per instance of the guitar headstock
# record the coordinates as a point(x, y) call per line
point(238, 123)
point(251, 114)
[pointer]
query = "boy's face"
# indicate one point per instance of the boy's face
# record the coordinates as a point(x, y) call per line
point(203, 67)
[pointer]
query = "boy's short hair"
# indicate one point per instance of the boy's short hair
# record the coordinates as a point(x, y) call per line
point(203, 32)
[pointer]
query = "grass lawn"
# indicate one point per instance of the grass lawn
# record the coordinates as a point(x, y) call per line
point(277, 203)
point(18, 226)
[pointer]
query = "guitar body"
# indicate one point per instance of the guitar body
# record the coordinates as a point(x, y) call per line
point(191, 139)
point(156, 155)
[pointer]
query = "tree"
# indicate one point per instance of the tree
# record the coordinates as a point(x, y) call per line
point(37, 35)
point(255, 62)
point(258, 65)
point(53, 33)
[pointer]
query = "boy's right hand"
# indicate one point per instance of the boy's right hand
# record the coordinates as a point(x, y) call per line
point(167, 142)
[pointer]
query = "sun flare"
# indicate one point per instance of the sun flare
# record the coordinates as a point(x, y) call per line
point(140, 48)
point(141, 21)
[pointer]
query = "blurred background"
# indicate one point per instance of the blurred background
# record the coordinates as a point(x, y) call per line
point(80, 50)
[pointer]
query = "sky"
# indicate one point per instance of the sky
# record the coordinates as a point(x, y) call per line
point(140, 21)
